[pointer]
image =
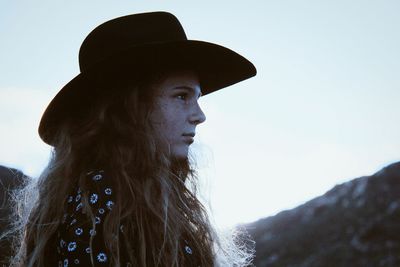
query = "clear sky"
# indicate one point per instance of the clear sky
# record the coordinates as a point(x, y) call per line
point(323, 108)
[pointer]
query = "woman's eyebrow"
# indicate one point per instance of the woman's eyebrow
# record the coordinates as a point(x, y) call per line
point(189, 88)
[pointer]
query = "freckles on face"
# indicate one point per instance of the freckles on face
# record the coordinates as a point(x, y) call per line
point(177, 112)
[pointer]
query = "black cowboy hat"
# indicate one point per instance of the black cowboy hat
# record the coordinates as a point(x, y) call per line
point(126, 47)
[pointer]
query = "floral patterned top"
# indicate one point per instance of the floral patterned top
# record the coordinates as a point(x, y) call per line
point(76, 230)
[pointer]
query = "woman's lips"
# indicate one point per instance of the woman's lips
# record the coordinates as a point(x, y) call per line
point(188, 139)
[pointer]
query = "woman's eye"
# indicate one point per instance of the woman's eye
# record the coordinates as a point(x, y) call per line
point(182, 96)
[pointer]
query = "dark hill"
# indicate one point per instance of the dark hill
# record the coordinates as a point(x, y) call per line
point(10, 179)
point(356, 223)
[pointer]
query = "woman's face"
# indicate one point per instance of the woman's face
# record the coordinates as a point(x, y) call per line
point(177, 112)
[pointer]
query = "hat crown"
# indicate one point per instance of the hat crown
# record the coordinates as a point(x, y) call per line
point(123, 33)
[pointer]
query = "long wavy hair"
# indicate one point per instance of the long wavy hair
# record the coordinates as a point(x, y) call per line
point(157, 193)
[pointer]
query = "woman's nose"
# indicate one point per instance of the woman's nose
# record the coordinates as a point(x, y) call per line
point(198, 115)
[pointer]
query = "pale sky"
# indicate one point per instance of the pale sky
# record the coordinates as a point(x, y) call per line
point(322, 109)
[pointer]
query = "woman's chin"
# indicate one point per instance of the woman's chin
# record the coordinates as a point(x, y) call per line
point(180, 152)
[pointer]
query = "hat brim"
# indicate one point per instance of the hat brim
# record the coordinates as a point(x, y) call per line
point(216, 66)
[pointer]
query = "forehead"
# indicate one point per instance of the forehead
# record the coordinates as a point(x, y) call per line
point(177, 80)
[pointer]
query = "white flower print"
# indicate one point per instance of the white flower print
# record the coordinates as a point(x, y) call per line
point(92, 232)
point(66, 263)
point(78, 231)
point(71, 246)
point(76, 261)
point(101, 211)
point(188, 250)
point(88, 250)
point(94, 198)
point(78, 197)
point(108, 191)
point(109, 204)
point(101, 257)
point(97, 220)
point(97, 177)
point(80, 205)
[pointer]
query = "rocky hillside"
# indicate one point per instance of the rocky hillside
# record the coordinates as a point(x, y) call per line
point(354, 224)
point(10, 179)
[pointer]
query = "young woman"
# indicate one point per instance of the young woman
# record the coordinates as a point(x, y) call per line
point(120, 189)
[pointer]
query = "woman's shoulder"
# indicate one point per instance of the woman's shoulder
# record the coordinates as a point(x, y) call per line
point(80, 234)
point(98, 179)
point(98, 190)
